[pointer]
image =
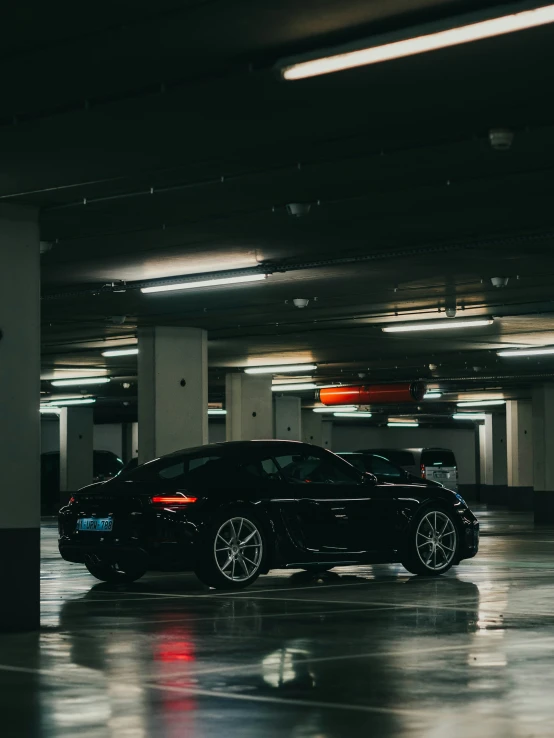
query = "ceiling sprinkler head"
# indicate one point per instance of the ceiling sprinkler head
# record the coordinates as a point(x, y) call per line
point(501, 139)
point(298, 209)
point(499, 281)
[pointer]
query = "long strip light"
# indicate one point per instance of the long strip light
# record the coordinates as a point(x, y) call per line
point(120, 352)
point(474, 403)
point(437, 325)
point(216, 411)
point(353, 415)
point(49, 410)
point(292, 386)
point(283, 369)
point(80, 382)
point(432, 395)
point(203, 283)
point(463, 34)
point(395, 424)
point(63, 403)
point(336, 409)
point(469, 416)
point(526, 352)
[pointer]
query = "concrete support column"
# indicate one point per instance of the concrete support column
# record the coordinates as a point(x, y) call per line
point(312, 427)
point(249, 404)
point(288, 418)
point(327, 435)
point(494, 468)
point(19, 420)
point(135, 439)
point(519, 443)
point(543, 454)
point(126, 442)
point(76, 446)
point(172, 390)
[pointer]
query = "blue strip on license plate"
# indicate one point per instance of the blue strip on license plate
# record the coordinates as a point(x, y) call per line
point(100, 525)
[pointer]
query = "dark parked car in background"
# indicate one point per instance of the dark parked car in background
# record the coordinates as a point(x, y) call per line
point(435, 464)
point(383, 469)
point(105, 465)
point(233, 511)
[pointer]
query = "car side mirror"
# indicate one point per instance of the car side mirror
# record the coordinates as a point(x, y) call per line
point(370, 478)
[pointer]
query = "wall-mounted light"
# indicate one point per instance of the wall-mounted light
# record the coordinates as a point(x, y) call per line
point(80, 382)
point(64, 403)
point(120, 352)
point(293, 386)
point(193, 285)
point(437, 325)
point(511, 353)
point(474, 403)
point(281, 369)
point(336, 409)
point(470, 29)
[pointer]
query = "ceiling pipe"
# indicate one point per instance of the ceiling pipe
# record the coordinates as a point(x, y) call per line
point(375, 394)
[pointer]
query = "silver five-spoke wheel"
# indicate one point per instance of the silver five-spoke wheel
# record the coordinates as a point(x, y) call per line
point(436, 540)
point(238, 549)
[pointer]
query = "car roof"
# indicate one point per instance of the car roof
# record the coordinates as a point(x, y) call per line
point(269, 443)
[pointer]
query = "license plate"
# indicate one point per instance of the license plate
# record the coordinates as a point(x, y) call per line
point(100, 525)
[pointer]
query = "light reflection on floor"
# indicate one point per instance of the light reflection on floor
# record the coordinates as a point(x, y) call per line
point(362, 651)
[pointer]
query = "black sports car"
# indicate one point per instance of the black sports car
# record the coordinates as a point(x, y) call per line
point(233, 511)
point(383, 468)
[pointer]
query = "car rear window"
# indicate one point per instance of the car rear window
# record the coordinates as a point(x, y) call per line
point(437, 457)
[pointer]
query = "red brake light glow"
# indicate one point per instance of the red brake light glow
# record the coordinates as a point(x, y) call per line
point(173, 500)
point(423, 471)
point(71, 500)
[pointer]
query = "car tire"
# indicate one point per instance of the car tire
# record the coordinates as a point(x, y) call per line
point(113, 572)
point(433, 542)
point(233, 551)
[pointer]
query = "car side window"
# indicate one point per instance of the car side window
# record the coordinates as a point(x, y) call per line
point(306, 468)
point(386, 471)
point(173, 471)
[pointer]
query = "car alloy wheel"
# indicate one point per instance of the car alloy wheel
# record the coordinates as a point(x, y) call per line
point(436, 540)
point(238, 549)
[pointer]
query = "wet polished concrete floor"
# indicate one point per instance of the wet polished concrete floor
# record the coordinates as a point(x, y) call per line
point(365, 651)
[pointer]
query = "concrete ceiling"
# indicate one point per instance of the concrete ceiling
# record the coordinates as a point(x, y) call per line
point(161, 142)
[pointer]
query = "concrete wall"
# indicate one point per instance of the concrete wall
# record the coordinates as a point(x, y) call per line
point(350, 437)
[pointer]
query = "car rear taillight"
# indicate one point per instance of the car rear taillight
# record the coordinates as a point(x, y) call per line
point(423, 471)
point(71, 501)
point(172, 500)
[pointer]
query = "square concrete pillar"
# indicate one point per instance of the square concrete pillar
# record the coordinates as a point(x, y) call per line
point(543, 454)
point(327, 434)
point(249, 404)
point(312, 427)
point(76, 449)
point(519, 441)
point(494, 460)
point(288, 418)
point(19, 419)
point(172, 390)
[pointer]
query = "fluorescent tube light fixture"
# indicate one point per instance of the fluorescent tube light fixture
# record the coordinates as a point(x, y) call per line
point(336, 409)
point(283, 369)
point(445, 324)
point(353, 415)
point(527, 352)
point(419, 44)
point(396, 424)
point(432, 395)
point(469, 416)
point(217, 411)
point(121, 352)
point(63, 403)
point(80, 382)
point(474, 403)
point(216, 282)
point(293, 386)
point(50, 410)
